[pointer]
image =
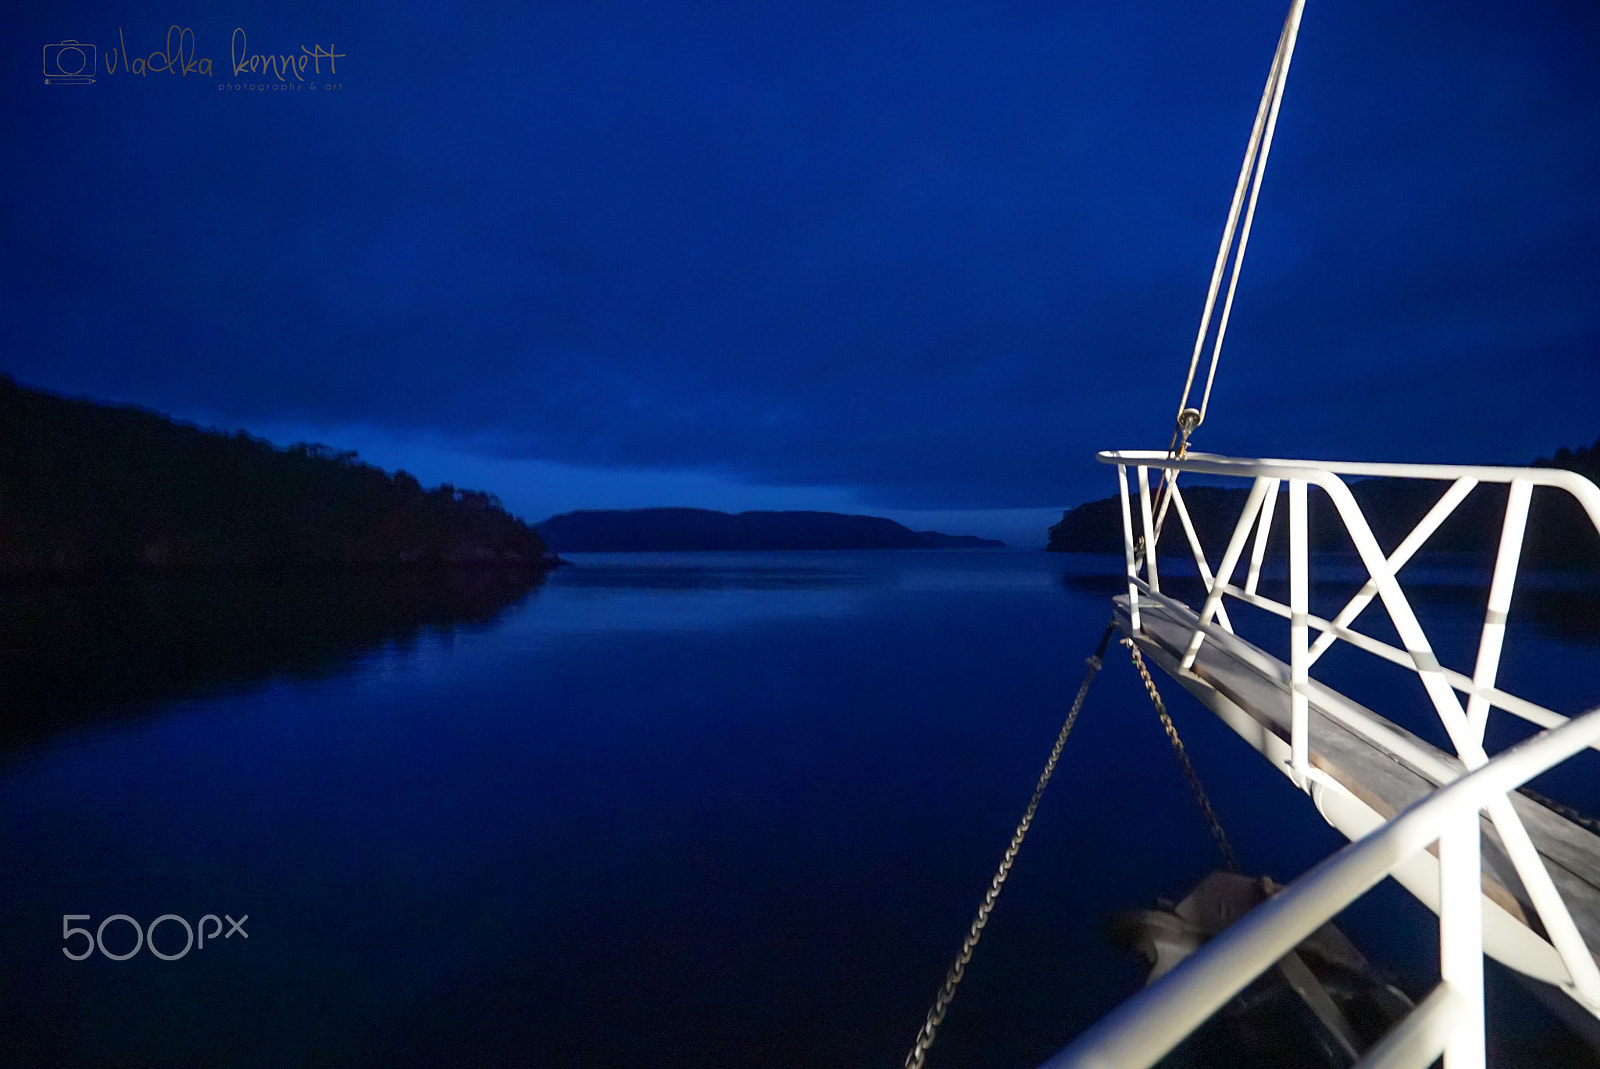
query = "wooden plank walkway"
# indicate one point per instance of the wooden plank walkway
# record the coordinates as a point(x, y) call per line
point(1257, 683)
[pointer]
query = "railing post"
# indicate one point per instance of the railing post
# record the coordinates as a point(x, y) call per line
point(1500, 587)
point(1230, 561)
point(1299, 661)
point(1263, 530)
point(1461, 936)
point(1127, 548)
point(1206, 577)
point(1151, 576)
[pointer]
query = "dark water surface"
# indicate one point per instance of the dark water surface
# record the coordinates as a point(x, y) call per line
point(660, 810)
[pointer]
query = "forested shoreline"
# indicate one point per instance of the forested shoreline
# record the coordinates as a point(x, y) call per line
point(87, 487)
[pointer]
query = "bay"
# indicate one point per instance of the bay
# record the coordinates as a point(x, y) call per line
point(658, 810)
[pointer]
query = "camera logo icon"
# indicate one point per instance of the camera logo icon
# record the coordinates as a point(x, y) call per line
point(69, 63)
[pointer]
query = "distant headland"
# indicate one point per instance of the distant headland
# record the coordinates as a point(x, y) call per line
point(88, 487)
point(685, 529)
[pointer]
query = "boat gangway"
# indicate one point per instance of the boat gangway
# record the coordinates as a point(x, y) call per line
point(1507, 876)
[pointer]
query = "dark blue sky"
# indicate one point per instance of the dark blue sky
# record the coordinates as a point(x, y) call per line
point(910, 259)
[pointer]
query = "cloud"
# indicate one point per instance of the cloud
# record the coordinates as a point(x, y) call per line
point(930, 257)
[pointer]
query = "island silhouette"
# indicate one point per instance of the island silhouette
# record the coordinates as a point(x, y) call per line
point(696, 530)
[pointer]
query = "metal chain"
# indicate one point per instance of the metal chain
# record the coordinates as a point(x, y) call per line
point(1217, 833)
point(919, 1050)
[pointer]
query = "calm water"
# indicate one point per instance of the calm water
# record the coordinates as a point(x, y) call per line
point(713, 810)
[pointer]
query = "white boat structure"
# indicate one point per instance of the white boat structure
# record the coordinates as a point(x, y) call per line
point(1507, 877)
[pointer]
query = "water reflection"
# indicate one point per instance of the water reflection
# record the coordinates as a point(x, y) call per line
point(711, 592)
point(713, 571)
point(74, 653)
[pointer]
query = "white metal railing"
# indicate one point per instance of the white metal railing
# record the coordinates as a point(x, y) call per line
point(1448, 1021)
point(1465, 725)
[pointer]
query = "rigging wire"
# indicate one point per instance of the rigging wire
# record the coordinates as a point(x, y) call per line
point(1251, 172)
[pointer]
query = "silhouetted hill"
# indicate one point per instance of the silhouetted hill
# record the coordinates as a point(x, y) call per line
point(679, 529)
point(88, 487)
point(935, 540)
point(1560, 535)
